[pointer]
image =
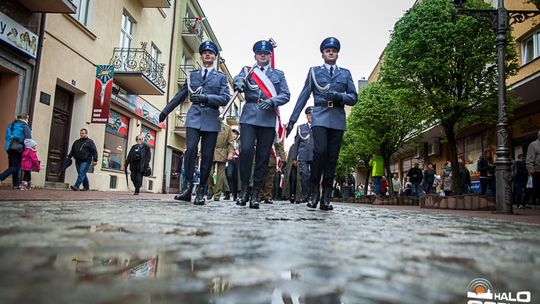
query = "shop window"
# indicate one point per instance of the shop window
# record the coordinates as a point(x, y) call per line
point(150, 139)
point(116, 140)
point(473, 151)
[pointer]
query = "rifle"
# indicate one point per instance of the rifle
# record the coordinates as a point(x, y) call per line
point(231, 101)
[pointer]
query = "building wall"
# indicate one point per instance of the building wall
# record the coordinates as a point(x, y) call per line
point(71, 52)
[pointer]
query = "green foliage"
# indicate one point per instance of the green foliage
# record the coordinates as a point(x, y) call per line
point(448, 60)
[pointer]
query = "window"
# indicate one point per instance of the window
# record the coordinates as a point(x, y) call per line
point(156, 55)
point(126, 33)
point(530, 48)
point(115, 147)
point(150, 139)
point(82, 11)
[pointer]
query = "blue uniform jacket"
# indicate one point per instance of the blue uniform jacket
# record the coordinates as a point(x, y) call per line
point(204, 118)
point(323, 116)
point(303, 144)
point(251, 114)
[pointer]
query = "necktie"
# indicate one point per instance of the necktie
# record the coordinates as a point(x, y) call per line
point(205, 73)
point(262, 69)
point(331, 71)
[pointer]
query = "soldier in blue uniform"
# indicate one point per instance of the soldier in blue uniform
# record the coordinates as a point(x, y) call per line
point(258, 119)
point(303, 153)
point(332, 88)
point(207, 90)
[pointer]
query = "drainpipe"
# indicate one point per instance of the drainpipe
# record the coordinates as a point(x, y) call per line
point(35, 77)
point(164, 186)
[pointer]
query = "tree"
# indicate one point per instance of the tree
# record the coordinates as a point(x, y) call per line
point(383, 122)
point(448, 61)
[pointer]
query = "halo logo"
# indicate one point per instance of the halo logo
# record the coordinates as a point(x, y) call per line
point(480, 291)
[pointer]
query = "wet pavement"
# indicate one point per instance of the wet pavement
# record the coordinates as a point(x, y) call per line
point(169, 252)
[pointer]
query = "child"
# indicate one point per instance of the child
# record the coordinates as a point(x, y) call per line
point(30, 162)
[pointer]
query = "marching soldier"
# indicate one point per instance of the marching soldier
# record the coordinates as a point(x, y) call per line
point(303, 153)
point(332, 89)
point(265, 90)
point(273, 166)
point(222, 153)
point(232, 168)
point(207, 89)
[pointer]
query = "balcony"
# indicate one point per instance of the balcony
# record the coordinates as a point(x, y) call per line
point(155, 3)
point(180, 124)
point(50, 6)
point(192, 32)
point(136, 71)
point(184, 71)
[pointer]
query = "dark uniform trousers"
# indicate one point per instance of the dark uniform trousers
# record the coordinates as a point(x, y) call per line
point(232, 176)
point(327, 143)
point(305, 177)
point(263, 137)
point(208, 144)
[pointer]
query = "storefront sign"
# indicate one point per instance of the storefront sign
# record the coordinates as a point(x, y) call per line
point(102, 93)
point(140, 107)
point(18, 36)
point(526, 126)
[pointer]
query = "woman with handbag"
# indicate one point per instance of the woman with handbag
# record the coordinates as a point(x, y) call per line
point(138, 160)
point(16, 133)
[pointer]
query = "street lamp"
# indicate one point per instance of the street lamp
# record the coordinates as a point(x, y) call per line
point(500, 22)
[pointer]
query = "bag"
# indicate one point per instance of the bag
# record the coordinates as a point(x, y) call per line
point(147, 171)
point(16, 146)
point(529, 183)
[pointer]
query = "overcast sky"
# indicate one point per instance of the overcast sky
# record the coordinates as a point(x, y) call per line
point(298, 26)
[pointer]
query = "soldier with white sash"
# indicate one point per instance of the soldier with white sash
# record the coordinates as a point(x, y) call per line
point(332, 88)
point(207, 90)
point(264, 90)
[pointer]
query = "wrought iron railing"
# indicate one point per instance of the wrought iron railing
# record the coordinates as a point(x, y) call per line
point(193, 26)
point(139, 60)
point(184, 71)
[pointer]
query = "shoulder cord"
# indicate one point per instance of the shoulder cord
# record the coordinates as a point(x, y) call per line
point(300, 134)
point(252, 87)
point(197, 91)
point(319, 88)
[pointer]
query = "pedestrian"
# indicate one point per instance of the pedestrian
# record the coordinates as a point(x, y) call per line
point(292, 181)
point(429, 178)
point(377, 170)
point(16, 133)
point(303, 153)
point(30, 163)
point(138, 160)
point(396, 184)
point(232, 167)
point(533, 166)
point(520, 175)
point(222, 153)
point(415, 177)
point(276, 163)
point(446, 175)
point(384, 186)
point(265, 89)
point(207, 90)
point(85, 154)
point(486, 167)
point(465, 177)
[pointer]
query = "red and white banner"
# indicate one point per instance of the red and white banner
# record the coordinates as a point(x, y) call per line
point(102, 94)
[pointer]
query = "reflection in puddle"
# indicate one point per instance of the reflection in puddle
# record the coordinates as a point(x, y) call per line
point(125, 267)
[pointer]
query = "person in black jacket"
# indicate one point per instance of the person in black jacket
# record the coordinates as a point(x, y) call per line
point(415, 177)
point(520, 175)
point(85, 153)
point(486, 167)
point(138, 160)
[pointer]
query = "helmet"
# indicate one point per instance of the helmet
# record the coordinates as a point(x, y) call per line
point(263, 46)
point(308, 110)
point(330, 42)
point(208, 46)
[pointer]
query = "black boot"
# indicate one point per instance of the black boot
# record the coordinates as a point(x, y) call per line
point(254, 201)
point(244, 196)
point(227, 196)
point(314, 196)
point(199, 198)
point(325, 199)
point(292, 200)
point(185, 195)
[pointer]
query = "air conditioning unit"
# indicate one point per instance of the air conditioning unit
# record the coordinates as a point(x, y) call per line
point(434, 148)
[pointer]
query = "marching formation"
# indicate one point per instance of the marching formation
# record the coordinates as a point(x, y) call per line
point(265, 89)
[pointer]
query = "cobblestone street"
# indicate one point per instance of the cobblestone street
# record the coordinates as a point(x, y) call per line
point(170, 252)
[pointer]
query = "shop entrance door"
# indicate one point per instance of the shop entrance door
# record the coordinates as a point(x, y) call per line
point(59, 136)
